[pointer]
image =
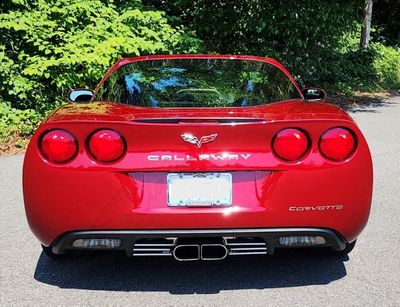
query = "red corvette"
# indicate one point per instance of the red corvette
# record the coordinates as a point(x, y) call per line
point(197, 157)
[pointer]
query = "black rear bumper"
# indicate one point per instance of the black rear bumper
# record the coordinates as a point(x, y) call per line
point(264, 240)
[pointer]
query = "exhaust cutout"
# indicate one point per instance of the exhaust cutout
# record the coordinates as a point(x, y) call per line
point(213, 252)
point(189, 252)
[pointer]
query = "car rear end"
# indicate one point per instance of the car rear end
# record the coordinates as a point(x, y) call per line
point(197, 183)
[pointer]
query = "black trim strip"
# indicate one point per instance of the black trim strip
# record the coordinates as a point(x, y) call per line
point(178, 120)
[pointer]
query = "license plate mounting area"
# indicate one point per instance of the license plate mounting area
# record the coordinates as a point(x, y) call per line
point(199, 189)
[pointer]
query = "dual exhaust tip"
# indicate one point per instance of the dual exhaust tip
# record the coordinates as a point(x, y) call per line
point(193, 252)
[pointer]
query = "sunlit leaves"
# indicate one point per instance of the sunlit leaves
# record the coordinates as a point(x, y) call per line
point(53, 45)
point(318, 40)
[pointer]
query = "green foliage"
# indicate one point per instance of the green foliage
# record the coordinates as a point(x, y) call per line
point(387, 65)
point(307, 36)
point(318, 40)
point(17, 123)
point(50, 46)
point(371, 69)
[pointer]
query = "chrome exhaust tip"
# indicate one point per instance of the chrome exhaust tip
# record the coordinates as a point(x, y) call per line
point(187, 252)
point(213, 252)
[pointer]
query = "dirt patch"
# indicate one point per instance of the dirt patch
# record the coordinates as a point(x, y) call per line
point(13, 145)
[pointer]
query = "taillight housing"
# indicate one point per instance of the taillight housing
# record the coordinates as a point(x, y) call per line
point(58, 146)
point(290, 144)
point(337, 144)
point(106, 145)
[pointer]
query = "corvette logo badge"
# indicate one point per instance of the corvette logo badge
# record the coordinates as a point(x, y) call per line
point(203, 140)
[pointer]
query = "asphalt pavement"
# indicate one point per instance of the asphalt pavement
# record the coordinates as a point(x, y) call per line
point(370, 276)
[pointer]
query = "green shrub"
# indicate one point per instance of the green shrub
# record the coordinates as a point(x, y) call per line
point(374, 68)
point(317, 40)
point(16, 123)
point(309, 37)
point(50, 46)
point(387, 66)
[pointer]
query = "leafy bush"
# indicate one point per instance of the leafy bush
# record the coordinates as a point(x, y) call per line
point(371, 69)
point(50, 46)
point(16, 123)
point(318, 40)
point(308, 36)
point(387, 65)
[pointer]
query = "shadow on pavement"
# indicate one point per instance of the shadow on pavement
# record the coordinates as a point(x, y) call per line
point(369, 103)
point(115, 272)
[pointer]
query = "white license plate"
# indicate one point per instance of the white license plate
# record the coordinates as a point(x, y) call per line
point(199, 190)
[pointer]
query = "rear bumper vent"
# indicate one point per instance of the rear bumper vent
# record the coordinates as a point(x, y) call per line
point(154, 247)
point(246, 246)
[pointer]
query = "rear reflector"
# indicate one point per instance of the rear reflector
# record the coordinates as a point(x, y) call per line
point(58, 146)
point(97, 243)
point(337, 144)
point(290, 144)
point(106, 146)
point(301, 240)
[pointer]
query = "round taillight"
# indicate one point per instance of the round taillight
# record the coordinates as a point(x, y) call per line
point(106, 146)
point(290, 144)
point(58, 146)
point(337, 144)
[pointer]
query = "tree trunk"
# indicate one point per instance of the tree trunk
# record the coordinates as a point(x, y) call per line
point(366, 27)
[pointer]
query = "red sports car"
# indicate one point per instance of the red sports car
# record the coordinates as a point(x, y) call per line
point(197, 157)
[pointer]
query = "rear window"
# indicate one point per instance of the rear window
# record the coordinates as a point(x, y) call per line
point(176, 83)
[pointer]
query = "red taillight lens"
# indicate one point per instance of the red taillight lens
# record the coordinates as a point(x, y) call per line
point(58, 146)
point(337, 144)
point(290, 144)
point(106, 146)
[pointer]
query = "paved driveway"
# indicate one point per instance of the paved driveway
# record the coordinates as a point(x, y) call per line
point(370, 276)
